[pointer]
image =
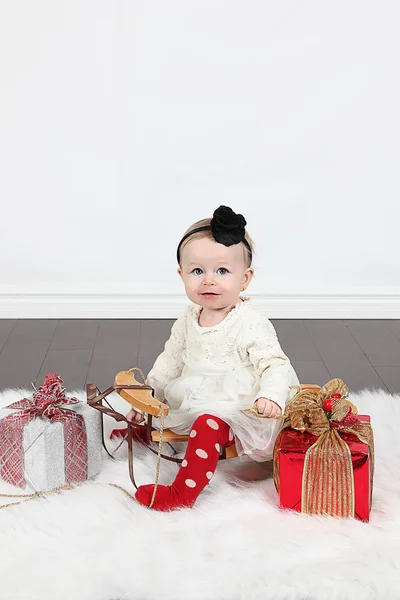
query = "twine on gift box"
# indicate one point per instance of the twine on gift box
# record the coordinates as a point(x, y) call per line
point(158, 467)
point(56, 490)
point(61, 488)
point(28, 497)
point(161, 416)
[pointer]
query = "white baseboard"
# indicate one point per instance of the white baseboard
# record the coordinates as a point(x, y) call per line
point(170, 306)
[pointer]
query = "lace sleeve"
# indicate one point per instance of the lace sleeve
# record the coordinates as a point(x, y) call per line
point(169, 364)
point(270, 363)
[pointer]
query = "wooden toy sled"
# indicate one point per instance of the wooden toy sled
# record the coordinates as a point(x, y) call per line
point(141, 397)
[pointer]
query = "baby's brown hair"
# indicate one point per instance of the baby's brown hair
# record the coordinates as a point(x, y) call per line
point(206, 233)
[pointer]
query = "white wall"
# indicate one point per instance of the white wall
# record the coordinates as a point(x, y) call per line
point(122, 122)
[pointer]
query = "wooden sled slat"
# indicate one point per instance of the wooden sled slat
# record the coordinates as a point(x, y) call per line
point(171, 436)
point(141, 398)
point(168, 436)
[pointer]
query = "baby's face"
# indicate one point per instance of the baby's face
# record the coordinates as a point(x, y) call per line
point(214, 274)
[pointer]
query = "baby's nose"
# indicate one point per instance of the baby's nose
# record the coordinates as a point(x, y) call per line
point(208, 279)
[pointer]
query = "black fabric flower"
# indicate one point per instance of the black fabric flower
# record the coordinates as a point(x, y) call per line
point(227, 227)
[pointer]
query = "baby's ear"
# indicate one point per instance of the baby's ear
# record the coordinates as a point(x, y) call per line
point(179, 271)
point(249, 275)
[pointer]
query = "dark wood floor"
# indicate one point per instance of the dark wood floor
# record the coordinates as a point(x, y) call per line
point(362, 353)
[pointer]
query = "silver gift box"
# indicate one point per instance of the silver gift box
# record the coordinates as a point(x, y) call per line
point(43, 445)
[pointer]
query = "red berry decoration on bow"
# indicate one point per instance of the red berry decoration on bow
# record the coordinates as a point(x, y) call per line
point(329, 402)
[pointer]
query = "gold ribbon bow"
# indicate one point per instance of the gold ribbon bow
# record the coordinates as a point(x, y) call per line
point(328, 480)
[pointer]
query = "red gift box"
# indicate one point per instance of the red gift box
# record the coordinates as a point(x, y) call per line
point(291, 453)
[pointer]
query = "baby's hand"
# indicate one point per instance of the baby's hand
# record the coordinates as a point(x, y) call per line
point(267, 408)
point(134, 416)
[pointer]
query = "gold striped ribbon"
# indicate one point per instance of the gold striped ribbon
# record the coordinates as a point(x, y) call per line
point(328, 479)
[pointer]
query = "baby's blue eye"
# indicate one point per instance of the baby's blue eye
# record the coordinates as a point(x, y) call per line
point(196, 271)
point(222, 269)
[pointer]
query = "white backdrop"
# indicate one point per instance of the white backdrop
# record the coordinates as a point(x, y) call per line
point(122, 122)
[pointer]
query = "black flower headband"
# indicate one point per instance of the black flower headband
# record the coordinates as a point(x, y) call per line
point(227, 228)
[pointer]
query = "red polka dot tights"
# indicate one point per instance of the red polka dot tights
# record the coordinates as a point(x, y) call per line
point(207, 435)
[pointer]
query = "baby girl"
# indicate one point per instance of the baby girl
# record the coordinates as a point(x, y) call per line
point(222, 357)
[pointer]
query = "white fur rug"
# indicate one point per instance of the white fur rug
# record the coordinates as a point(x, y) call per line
point(94, 543)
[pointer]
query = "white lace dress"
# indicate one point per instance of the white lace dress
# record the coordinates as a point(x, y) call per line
point(222, 370)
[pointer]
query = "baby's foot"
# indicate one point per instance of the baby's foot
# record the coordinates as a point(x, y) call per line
point(167, 497)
